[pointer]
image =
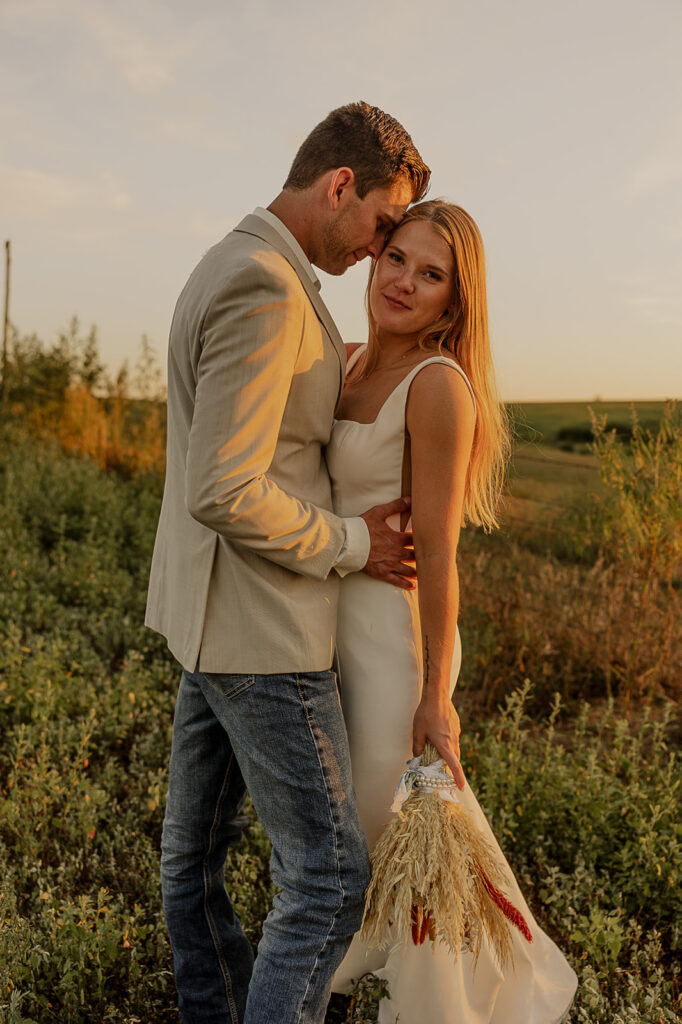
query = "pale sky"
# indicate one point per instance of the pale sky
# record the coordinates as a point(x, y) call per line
point(135, 133)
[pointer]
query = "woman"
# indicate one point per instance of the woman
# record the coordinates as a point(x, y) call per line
point(419, 416)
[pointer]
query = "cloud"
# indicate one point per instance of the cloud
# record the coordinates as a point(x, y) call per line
point(197, 133)
point(37, 194)
point(145, 62)
point(653, 173)
point(142, 43)
point(25, 9)
point(657, 302)
point(662, 166)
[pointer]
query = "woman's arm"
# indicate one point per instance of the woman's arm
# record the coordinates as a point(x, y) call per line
point(440, 420)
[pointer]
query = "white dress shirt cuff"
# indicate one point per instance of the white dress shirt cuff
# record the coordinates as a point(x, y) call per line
point(355, 551)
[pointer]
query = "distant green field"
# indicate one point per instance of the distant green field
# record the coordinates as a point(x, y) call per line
point(551, 479)
point(544, 422)
point(552, 466)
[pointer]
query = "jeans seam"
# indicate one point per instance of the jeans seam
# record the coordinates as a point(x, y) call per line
point(336, 847)
point(238, 689)
point(225, 971)
point(246, 684)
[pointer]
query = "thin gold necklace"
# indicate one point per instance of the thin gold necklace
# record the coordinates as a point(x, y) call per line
point(389, 366)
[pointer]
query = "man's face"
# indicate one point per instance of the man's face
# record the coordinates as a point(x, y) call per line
point(360, 226)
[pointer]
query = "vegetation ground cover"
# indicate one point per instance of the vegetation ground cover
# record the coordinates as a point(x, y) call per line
point(582, 789)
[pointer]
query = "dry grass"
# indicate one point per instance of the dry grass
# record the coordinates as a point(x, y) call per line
point(124, 435)
point(591, 605)
point(583, 631)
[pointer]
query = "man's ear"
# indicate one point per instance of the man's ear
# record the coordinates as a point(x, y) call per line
point(341, 181)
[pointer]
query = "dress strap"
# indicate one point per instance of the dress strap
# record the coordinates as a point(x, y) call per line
point(355, 357)
point(406, 382)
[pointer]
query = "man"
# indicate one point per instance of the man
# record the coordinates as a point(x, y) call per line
point(245, 574)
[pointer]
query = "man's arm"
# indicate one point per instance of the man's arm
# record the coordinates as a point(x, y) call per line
point(251, 338)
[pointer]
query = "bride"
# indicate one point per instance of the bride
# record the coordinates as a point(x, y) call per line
point(419, 416)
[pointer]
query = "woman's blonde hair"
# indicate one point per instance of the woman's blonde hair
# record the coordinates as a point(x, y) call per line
point(462, 330)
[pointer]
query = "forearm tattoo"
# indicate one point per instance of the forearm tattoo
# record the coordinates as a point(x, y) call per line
point(426, 661)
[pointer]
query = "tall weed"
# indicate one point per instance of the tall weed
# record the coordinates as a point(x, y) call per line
point(640, 532)
point(594, 607)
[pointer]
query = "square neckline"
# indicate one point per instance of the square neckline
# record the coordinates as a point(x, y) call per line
point(438, 356)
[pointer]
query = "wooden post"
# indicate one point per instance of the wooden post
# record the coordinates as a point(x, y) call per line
point(4, 393)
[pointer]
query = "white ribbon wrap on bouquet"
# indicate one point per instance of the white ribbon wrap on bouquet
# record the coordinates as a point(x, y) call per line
point(432, 778)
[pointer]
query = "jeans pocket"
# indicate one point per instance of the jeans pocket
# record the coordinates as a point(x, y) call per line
point(229, 684)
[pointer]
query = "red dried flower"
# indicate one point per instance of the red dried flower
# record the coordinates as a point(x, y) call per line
point(508, 909)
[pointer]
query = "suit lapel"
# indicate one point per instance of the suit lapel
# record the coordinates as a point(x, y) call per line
point(253, 225)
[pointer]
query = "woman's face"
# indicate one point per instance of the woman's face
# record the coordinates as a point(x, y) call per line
point(413, 280)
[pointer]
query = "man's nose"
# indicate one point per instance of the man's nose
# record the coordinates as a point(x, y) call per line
point(376, 246)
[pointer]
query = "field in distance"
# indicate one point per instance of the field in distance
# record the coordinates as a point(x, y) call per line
point(565, 423)
point(552, 465)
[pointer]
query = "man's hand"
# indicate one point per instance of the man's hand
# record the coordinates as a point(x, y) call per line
point(436, 721)
point(390, 550)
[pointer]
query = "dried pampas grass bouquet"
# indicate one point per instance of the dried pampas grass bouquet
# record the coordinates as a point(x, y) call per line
point(434, 875)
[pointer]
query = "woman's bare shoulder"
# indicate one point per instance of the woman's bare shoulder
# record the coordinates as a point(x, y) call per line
point(438, 387)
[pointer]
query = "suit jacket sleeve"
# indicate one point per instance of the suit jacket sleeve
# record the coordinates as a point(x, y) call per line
point(250, 340)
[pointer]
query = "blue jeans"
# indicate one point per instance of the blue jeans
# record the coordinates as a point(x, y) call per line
point(283, 738)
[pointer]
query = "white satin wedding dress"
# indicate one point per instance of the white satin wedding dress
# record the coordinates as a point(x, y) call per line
point(379, 648)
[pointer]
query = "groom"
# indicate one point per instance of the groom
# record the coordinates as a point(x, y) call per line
point(245, 573)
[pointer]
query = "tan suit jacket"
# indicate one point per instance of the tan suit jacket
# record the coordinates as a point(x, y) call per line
point(241, 578)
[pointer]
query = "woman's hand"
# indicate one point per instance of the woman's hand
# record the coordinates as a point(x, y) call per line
point(437, 722)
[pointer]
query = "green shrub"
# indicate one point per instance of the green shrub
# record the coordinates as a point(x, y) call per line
point(587, 812)
point(589, 816)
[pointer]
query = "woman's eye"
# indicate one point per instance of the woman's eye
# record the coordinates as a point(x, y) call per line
point(433, 275)
point(394, 256)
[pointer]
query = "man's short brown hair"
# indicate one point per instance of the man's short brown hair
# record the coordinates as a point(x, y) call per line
point(373, 144)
